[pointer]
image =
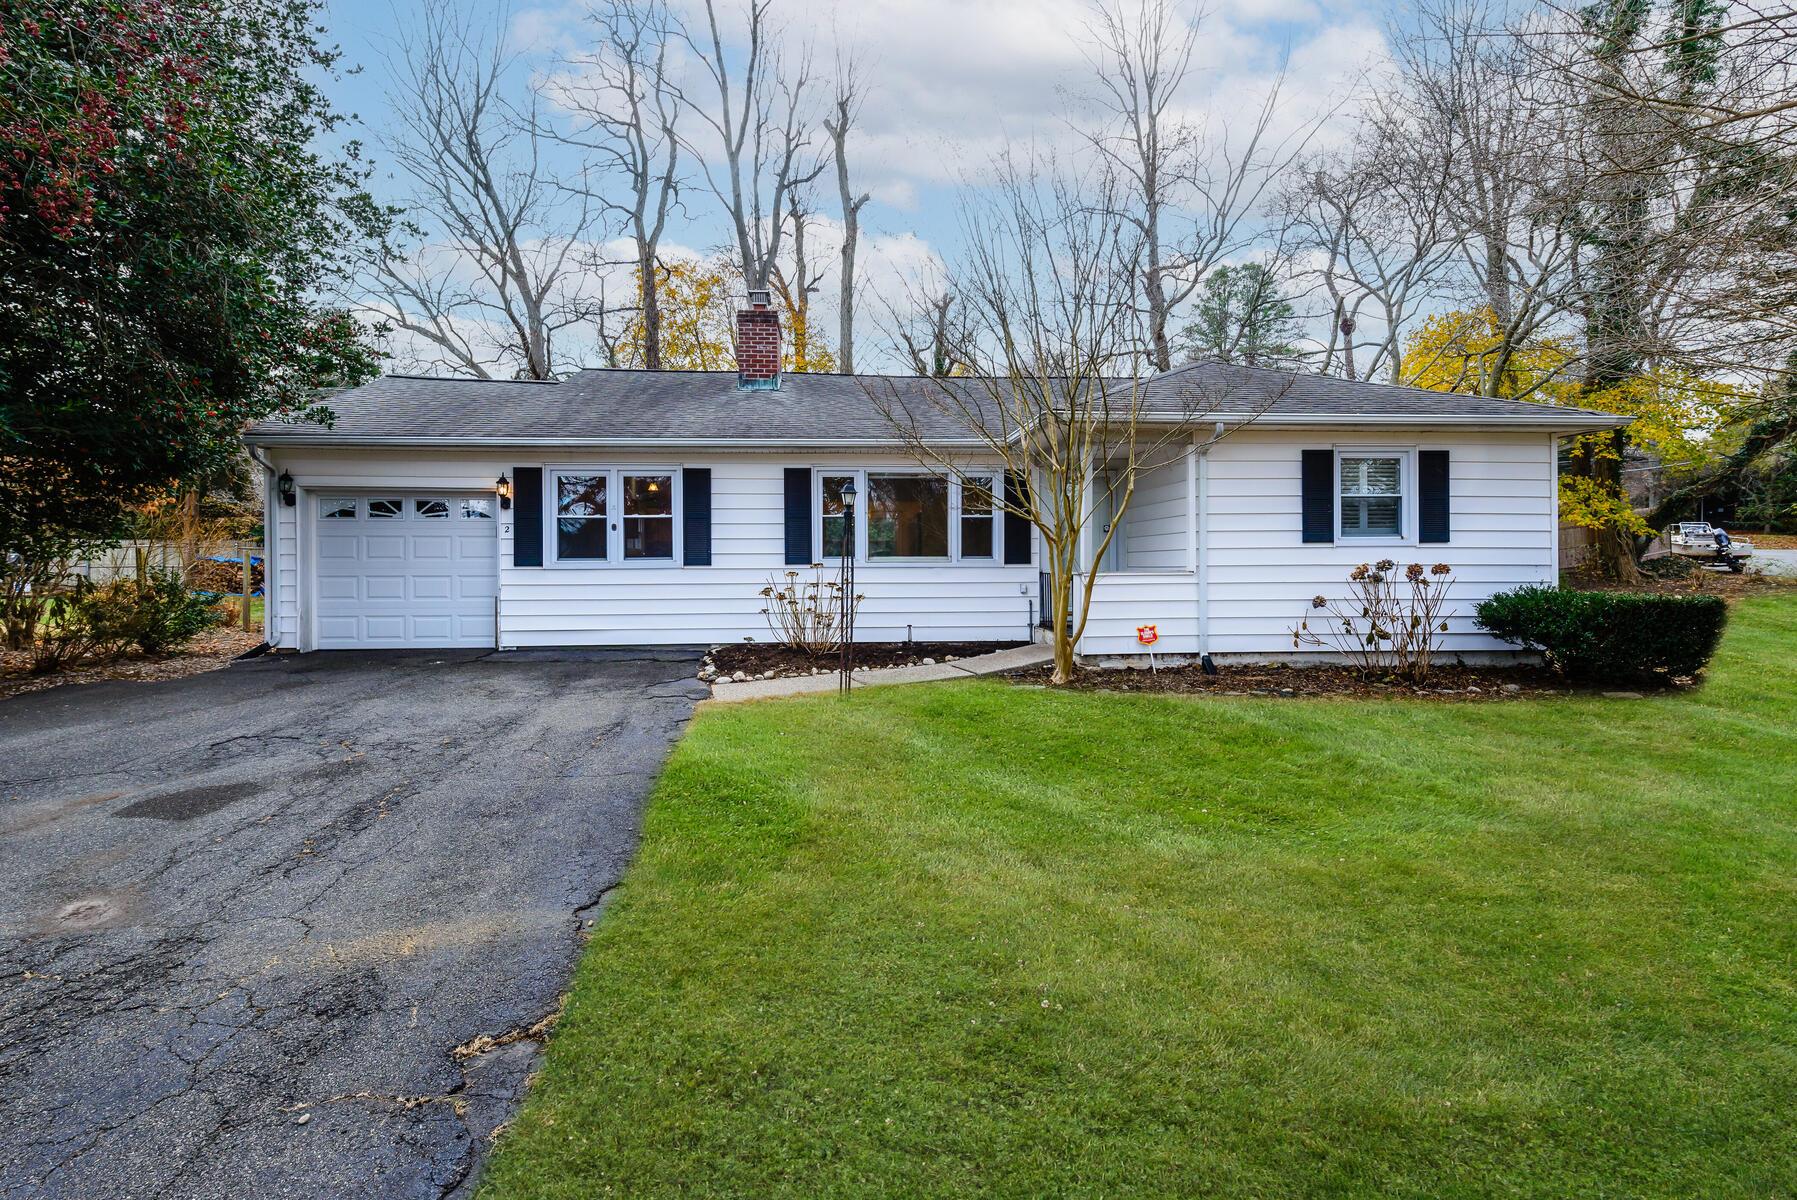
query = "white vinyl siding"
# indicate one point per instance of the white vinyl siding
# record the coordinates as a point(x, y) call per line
point(1156, 529)
point(1261, 574)
point(605, 604)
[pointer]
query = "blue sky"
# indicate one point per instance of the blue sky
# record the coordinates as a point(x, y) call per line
point(949, 84)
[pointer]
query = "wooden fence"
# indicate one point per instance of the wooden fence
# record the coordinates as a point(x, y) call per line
point(229, 580)
point(1575, 544)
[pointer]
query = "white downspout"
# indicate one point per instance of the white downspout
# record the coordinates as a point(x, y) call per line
point(1201, 541)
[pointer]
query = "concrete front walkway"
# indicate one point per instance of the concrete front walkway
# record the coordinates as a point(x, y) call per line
point(1013, 659)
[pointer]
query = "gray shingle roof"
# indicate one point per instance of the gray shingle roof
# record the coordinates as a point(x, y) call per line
point(707, 406)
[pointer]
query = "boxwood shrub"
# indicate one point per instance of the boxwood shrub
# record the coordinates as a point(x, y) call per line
point(1617, 636)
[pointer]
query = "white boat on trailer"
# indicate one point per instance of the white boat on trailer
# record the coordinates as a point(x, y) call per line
point(1702, 541)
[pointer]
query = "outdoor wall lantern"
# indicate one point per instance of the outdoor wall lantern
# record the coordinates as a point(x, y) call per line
point(284, 485)
point(504, 487)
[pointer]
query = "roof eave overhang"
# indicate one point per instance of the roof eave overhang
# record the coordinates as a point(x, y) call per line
point(315, 442)
point(1550, 422)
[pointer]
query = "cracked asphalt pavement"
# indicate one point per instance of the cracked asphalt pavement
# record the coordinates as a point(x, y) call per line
point(293, 928)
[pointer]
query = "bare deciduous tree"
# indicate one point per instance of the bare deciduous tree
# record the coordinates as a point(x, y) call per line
point(761, 121)
point(625, 111)
point(1373, 219)
point(1190, 194)
point(797, 284)
point(494, 278)
point(844, 109)
point(1051, 337)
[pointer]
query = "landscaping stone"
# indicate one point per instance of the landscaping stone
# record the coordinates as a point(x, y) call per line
point(1014, 659)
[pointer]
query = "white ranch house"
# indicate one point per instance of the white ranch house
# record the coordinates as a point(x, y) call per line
point(650, 508)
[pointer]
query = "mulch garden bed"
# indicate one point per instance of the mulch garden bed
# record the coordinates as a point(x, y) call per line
point(209, 651)
point(1448, 682)
point(768, 660)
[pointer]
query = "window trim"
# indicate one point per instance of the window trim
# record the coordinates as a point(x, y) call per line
point(614, 517)
point(1407, 498)
point(860, 475)
point(995, 484)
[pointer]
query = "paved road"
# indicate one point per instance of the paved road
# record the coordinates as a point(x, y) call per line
point(1776, 562)
point(248, 917)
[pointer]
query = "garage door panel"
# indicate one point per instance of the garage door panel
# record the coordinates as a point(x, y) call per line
point(384, 628)
point(383, 548)
point(412, 579)
point(432, 549)
point(383, 587)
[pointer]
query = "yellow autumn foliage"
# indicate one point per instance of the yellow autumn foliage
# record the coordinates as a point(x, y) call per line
point(699, 301)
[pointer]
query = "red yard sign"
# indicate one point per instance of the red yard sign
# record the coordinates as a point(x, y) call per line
point(1148, 635)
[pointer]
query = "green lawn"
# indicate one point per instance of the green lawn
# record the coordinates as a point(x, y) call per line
point(973, 940)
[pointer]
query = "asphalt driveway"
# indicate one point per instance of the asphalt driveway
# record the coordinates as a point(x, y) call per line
point(291, 928)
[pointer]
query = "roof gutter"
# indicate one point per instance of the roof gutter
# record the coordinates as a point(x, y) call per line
point(478, 443)
point(1591, 423)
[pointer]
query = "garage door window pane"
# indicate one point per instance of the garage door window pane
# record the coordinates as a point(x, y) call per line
point(433, 509)
point(386, 510)
point(477, 508)
point(907, 516)
point(580, 516)
point(648, 516)
point(336, 508)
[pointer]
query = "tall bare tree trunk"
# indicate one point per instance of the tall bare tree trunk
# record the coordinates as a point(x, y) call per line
point(837, 126)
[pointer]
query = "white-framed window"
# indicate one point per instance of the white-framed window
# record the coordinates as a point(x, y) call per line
point(337, 508)
point(615, 515)
point(978, 516)
point(581, 512)
point(477, 508)
point(1371, 495)
point(387, 509)
point(908, 515)
point(431, 510)
point(648, 515)
point(835, 530)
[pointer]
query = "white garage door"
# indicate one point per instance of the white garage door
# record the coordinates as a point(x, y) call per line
point(405, 569)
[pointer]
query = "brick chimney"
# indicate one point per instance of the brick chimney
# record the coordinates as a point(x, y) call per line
point(758, 343)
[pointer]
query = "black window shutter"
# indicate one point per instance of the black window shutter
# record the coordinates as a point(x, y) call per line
point(695, 520)
point(1432, 495)
point(527, 516)
point(1017, 526)
point(1318, 504)
point(798, 517)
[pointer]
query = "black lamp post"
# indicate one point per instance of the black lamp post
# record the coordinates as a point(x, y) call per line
point(848, 585)
point(504, 487)
point(284, 485)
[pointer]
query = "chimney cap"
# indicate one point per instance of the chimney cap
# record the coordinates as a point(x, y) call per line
point(760, 297)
